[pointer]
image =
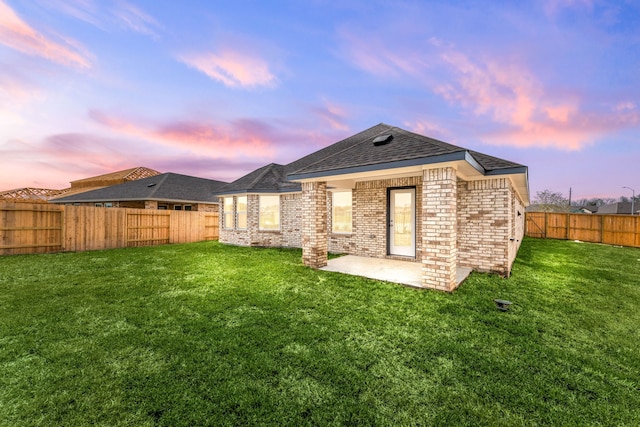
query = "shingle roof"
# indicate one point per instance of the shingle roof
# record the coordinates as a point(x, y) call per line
point(616, 208)
point(167, 187)
point(268, 179)
point(358, 151)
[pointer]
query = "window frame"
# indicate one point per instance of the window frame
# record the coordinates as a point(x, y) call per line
point(239, 212)
point(228, 214)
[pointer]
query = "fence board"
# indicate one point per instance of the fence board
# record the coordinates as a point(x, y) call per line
point(38, 228)
point(30, 228)
point(622, 230)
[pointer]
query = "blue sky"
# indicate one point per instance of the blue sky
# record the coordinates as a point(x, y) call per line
point(218, 88)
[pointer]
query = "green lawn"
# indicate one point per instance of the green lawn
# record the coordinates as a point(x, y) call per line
point(204, 333)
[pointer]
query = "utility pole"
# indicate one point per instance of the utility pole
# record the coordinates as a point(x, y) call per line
point(633, 199)
point(569, 197)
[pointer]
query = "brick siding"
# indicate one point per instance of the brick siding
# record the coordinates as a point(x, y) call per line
point(487, 221)
point(314, 224)
point(486, 232)
point(439, 225)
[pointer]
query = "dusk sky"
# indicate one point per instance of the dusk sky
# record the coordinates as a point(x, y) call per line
point(216, 89)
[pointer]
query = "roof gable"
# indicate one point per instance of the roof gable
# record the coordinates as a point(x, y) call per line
point(268, 179)
point(115, 177)
point(360, 151)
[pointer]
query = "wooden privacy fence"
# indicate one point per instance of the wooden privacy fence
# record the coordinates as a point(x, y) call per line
point(27, 228)
point(622, 230)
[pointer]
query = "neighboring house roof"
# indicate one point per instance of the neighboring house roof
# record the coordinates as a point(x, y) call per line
point(30, 194)
point(378, 148)
point(170, 187)
point(105, 180)
point(112, 178)
point(621, 208)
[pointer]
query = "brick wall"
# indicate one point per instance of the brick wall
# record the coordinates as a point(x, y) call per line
point(291, 220)
point(314, 224)
point(439, 228)
point(485, 224)
point(370, 218)
point(289, 235)
point(485, 212)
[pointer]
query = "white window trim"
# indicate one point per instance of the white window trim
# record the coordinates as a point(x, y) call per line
point(225, 225)
point(246, 212)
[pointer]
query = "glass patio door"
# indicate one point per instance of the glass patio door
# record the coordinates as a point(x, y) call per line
point(402, 222)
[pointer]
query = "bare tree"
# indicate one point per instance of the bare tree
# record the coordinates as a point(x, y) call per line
point(551, 201)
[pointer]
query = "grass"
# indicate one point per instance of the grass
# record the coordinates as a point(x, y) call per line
point(207, 334)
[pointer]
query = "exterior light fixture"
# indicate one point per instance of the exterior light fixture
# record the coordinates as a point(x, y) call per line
point(502, 305)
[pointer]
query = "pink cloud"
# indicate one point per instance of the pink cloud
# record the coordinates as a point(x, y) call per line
point(84, 10)
point(230, 140)
point(333, 114)
point(107, 15)
point(135, 19)
point(425, 127)
point(512, 96)
point(232, 68)
point(18, 35)
point(15, 86)
point(61, 158)
point(503, 90)
point(373, 55)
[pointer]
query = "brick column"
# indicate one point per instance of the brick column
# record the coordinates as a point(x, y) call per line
point(150, 204)
point(314, 224)
point(439, 229)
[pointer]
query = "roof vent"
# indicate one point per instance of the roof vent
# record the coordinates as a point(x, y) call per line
point(151, 185)
point(382, 139)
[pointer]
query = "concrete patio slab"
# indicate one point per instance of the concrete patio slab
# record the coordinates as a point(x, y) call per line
point(402, 272)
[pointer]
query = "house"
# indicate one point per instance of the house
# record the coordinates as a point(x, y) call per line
point(386, 193)
point(108, 179)
point(589, 209)
point(29, 195)
point(164, 191)
point(43, 195)
point(620, 208)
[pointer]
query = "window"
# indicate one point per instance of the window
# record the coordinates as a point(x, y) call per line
point(241, 213)
point(98, 205)
point(162, 207)
point(187, 207)
point(108, 205)
point(228, 212)
point(341, 208)
point(177, 207)
point(269, 212)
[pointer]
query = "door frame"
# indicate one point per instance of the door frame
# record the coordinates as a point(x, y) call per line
point(388, 220)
